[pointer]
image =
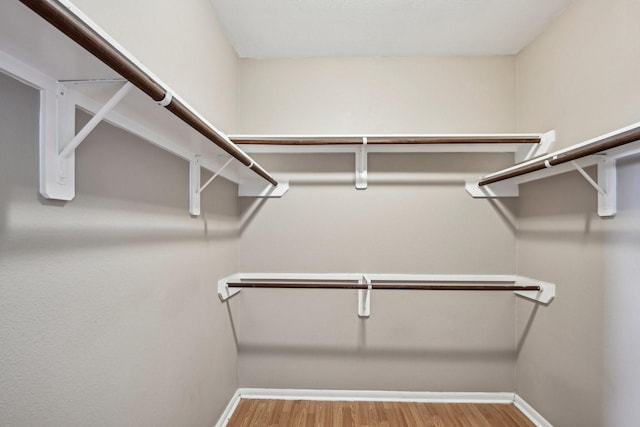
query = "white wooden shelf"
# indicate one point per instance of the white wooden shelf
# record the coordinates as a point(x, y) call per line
point(523, 146)
point(602, 151)
point(69, 78)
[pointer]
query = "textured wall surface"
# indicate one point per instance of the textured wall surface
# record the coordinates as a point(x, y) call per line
point(108, 309)
point(621, 386)
point(369, 95)
point(579, 78)
point(415, 217)
point(182, 43)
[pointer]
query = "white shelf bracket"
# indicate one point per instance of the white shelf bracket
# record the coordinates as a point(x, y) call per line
point(606, 186)
point(361, 165)
point(364, 299)
point(545, 295)
point(547, 140)
point(194, 186)
point(195, 189)
point(57, 161)
point(224, 292)
point(607, 180)
point(590, 180)
point(51, 186)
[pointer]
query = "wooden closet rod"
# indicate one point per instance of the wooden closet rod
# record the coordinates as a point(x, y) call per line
point(382, 285)
point(79, 31)
point(608, 143)
point(386, 140)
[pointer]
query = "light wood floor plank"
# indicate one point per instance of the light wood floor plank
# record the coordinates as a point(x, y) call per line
point(303, 413)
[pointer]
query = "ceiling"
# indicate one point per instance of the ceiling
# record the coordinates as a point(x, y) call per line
point(313, 28)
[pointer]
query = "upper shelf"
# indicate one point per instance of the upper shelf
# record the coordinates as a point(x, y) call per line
point(70, 77)
point(525, 146)
point(602, 151)
point(601, 145)
point(39, 53)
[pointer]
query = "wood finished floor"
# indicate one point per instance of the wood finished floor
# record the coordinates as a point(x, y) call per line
point(279, 413)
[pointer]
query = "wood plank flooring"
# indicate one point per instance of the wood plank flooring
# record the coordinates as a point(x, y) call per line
point(279, 413)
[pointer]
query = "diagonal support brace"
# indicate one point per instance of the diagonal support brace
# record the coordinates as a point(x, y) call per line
point(606, 186)
point(195, 189)
point(95, 120)
point(57, 161)
point(590, 180)
point(215, 175)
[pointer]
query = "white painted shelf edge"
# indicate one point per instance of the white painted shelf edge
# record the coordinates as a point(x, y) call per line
point(70, 78)
point(605, 183)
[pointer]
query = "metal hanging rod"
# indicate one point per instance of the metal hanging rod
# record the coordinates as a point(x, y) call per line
point(595, 146)
point(385, 139)
point(79, 31)
point(380, 285)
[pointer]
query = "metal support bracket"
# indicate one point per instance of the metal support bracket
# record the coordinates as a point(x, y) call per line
point(544, 147)
point(361, 165)
point(545, 295)
point(364, 299)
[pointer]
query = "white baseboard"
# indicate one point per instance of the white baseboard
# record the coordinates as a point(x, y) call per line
point(531, 413)
point(228, 411)
point(382, 396)
point(376, 396)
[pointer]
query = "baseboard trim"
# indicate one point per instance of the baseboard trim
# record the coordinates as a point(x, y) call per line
point(228, 411)
point(530, 413)
point(371, 395)
point(382, 396)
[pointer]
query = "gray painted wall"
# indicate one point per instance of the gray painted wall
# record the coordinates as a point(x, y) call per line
point(108, 306)
point(109, 310)
point(415, 217)
point(579, 78)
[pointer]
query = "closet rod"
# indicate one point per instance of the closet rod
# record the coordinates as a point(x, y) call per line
point(384, 140)
point(382, 285)
point(553, 159)
point(79, 31)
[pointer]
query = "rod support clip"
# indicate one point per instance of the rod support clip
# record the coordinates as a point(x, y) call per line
point(361, 165)
point(168, 97)
point(364, 298)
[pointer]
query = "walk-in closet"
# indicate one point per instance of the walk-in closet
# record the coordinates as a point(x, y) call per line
point(335, 213)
